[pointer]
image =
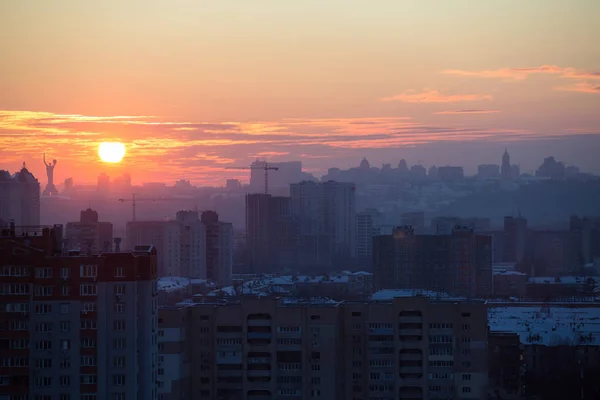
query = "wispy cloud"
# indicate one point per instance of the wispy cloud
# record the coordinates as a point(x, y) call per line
point(511, 73)
point(462, 112)
point(435, 96)
point(168, 150)
point(581, 87)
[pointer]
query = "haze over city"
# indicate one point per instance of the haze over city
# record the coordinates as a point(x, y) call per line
point(320, 199)
point(204, 85)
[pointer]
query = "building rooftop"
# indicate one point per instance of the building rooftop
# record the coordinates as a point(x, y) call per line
point(549, 326)
point(390, 294)
point(565, 280)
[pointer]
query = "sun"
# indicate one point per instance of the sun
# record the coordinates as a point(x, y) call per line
point(111, 152)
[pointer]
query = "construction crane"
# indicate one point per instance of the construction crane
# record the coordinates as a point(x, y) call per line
point(264, 166)
point(134, 200)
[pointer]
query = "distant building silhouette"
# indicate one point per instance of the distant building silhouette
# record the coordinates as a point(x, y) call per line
point(271, 233)
point(326, 223)
point(506, 167)
point(20, 198)
point(488, 171)
point(89, 235)
point(450, 173)
point(551, 168)
point(459, 263)
point(103, 185)
point(219, 248)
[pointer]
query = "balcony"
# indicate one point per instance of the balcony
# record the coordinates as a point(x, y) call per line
point(381, 331)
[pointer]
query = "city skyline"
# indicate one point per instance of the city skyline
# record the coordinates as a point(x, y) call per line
point(221, 84)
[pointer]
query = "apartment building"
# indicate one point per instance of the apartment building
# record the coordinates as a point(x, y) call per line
point(459, 263)
point(288, 348)
point(76, 327)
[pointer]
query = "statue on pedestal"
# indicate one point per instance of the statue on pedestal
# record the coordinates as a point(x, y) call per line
point(50, 189)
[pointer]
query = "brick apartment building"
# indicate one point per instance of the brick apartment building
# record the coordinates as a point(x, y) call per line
point(401, 348)
point(75, 327)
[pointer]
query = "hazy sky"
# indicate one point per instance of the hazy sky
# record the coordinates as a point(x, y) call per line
point(206, 84)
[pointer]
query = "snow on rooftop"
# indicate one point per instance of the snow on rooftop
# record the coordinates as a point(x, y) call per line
point(565, 280)
point(509, 273)
point(389, 294)
point(551, 327)
point(172, 283)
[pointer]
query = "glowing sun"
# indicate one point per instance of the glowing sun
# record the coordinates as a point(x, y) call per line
point(111, 152)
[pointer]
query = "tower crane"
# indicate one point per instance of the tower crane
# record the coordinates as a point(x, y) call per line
point(134, 200)
point(264, 166)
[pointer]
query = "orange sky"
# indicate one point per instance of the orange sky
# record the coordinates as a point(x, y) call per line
point(205, 85)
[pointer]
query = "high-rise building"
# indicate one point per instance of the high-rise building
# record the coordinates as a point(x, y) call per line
point(326, 215)
point(271, 233)
point(165, 236)
point(75, 326)
point(20, 198)
point(367, 227)
point(89, 235)
point(459, 263)
point(103, 185)
point(391, 348)
point(515, 238)
point(506, 170)
point(218, 248)
point(189, 246)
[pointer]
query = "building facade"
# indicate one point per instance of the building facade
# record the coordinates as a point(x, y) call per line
point(459, 263)
point(326, 214)
point(89, 234)
point(73, 326)
point(20, 198)
point(404, 348)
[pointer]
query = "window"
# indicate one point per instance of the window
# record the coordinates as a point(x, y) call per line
point(64, 397)
point(119, 325)
point(43, 381)
point(65, 363)
point(88, 343)
point(466, 389)
point(43, 308)
point(88, 324)
point(64, 308)
point(119, 272)
point(64, 380)
point(43, 345)
point(64, 273)
point(119, 380)
point(43, 272)
point(88, 307)
point(43, 327)
point(118, 396)
point(466, 352)
point(88, 361)
point(65, 344)
point(466, 377)
point(43, 363)
point(119, 362)
point(466, 327)
point(119, 343)
point(88, 271)
point(65, 290)
point(88, 289)
point(44, 291)
point(119, 308)
point(88, 396)
point(65, 326)
point(88, 379)
point(119, 289)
